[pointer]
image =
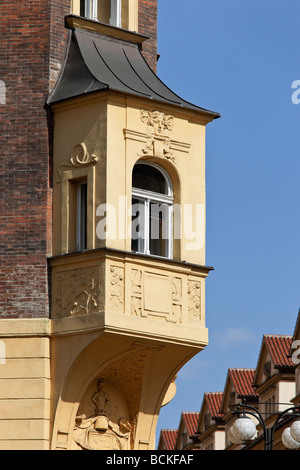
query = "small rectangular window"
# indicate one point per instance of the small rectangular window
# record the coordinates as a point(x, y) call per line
point(81, 216)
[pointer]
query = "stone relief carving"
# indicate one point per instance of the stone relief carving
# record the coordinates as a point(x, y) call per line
point(104, 429)
point(176, 316)
point(159, 127)
point(136, 293)
point(79, 158)
point(77, 292)
point(99, 433)
point(194, 300)
point(116, 287)
point(173, 315)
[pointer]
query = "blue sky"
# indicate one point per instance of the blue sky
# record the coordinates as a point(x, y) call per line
point(240, 58)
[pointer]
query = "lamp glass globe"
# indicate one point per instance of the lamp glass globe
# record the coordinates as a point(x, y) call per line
point(233, 438)
point(288, 441)
point(244, 428)
point(295, 430)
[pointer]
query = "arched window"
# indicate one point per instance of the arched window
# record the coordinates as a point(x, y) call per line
point(152, 204)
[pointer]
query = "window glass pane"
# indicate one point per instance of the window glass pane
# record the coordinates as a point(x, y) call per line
point(149, 178)
point(82, 8)
point(104, 11)
point(158, 229)
point(138, 225)
point(81, 216)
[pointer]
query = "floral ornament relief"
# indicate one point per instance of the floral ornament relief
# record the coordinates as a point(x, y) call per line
point(159, 127)
point(194, 300)
point(77, 292)
point(116, 287)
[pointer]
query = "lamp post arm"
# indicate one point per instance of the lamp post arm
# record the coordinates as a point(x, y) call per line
point(253, 412)
point(268, 432)
point(279, 417)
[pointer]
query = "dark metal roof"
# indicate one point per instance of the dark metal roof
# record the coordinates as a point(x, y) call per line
point(96, 62)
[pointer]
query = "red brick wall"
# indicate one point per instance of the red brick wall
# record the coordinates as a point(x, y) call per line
point(26, 60)
point(148, 27)
point(32, 47)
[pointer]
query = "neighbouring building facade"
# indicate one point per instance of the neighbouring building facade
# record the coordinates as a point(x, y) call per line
point(211, 426)
point(97, 314)
point(271, 392)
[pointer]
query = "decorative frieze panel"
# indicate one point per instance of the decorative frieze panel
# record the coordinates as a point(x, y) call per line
point(124, 286)
point(116, 298)
point(194, 300)
point(76, 292)
point(157, 296)
point(137, 292)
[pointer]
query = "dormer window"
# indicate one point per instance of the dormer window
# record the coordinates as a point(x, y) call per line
point(105, 11)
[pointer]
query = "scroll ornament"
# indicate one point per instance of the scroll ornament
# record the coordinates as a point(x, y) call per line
point(79, 158)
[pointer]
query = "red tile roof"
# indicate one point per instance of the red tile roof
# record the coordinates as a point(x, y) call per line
point(214, 402)
point(243, 381)
point(279, 347)
point(169, 437)
point(191, 422)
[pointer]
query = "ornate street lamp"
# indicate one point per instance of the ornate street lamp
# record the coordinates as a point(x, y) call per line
point(244, 427)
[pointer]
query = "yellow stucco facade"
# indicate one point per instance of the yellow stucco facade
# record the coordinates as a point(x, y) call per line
point(95, 375)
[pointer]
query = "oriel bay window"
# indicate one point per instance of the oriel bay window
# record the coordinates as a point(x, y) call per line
point(152, 204)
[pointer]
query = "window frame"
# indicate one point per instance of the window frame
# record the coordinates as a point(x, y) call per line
point(68, 230)
point(91, 11)
point(116, 13)
point(149, 197)
point(81, 215)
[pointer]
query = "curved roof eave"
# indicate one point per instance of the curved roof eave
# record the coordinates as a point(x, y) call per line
point(97, 62)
